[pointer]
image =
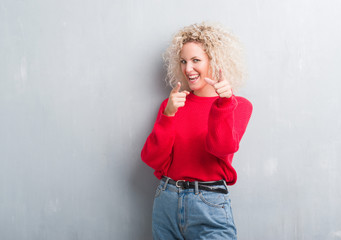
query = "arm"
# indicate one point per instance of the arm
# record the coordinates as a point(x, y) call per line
point(227, 123)
point(157, 149)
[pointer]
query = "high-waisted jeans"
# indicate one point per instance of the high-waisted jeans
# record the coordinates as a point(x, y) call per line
point(190, 214)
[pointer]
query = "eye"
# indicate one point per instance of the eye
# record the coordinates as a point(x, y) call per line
point(196, 60)
point(182, 61)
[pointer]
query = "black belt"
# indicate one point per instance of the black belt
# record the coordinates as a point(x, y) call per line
point(207, 186)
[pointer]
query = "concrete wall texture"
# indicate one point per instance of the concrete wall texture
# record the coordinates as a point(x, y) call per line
point(80, 86)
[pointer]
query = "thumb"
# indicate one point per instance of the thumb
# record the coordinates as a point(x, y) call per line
point(220, 76)
point(210, 81)
point(177, 87)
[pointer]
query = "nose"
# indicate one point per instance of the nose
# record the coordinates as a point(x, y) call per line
point(189, 68)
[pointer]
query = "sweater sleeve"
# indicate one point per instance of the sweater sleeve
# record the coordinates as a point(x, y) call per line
point(157, 149)
point(227, 123)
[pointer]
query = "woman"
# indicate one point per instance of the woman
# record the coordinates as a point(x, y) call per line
point(196, 133)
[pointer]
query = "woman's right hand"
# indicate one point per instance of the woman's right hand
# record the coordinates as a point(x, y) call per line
point(176, 99)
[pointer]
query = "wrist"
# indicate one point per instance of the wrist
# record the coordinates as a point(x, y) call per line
point(168, 114)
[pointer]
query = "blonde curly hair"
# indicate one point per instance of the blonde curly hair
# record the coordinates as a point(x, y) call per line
point(222, 47)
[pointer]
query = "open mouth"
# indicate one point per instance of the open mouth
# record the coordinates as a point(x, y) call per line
point(193, 78)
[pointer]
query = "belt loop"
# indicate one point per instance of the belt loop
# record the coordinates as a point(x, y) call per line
point(196, 187)
point(225, 185)
point(166, 183)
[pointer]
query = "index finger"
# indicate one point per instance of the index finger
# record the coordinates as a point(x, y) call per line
point(177, 87)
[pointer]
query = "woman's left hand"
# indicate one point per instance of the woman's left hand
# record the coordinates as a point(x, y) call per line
point(222, 86)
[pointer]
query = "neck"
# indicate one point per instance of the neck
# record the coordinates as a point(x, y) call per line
point(208, 91)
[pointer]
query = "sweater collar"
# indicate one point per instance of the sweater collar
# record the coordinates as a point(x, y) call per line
point(196, 98)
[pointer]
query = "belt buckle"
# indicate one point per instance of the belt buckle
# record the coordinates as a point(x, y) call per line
point(176, 184)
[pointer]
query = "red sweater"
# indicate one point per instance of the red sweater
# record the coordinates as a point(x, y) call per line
point(199, 142)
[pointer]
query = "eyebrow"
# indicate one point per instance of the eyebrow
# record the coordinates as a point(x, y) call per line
point(191, 58)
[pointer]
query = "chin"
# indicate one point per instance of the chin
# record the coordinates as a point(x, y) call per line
point(195, 87)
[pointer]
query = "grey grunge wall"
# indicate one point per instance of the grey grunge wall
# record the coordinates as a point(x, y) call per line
point(80, 86)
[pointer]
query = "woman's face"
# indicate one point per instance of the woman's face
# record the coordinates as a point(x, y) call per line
point(195, 65)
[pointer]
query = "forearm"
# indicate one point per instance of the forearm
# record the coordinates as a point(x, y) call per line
point(158, 146)
point(227, 123)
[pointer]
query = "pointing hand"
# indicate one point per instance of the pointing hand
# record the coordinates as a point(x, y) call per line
point(176, 99)
point(222, 86)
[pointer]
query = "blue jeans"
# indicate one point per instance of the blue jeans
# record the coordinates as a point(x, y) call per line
point(191, 214)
